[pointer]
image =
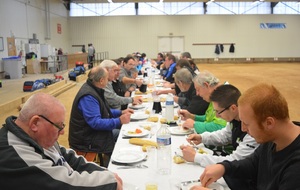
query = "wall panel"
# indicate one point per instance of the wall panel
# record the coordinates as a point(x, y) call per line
point(121, 35)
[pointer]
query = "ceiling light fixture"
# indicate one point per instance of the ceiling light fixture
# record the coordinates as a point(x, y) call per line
point(110, 1)
point(161, 1)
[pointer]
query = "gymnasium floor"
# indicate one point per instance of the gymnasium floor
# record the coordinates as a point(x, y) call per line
point(285, 76)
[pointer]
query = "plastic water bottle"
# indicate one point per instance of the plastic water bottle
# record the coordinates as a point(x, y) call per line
point(153, 76)
point(170, 108)
point(164, 160)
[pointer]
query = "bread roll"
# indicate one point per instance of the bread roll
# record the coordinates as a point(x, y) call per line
point(178, 160)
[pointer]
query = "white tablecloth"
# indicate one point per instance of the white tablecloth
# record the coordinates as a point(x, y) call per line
point(137, 178)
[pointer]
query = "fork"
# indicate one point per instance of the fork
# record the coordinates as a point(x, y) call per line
point(194, 145)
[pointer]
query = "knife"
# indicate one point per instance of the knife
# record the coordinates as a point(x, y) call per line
point(121, 164)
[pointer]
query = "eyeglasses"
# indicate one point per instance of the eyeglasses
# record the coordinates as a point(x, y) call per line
point(223, 110)
point(55, 125)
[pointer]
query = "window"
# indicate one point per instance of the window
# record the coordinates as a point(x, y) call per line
point(182, 8)
point(287, 8)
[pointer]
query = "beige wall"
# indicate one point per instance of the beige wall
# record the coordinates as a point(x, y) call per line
point(121, 35)
point(22, 18)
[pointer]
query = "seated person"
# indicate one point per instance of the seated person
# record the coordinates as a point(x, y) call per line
point(205, 83)
point(170, 63)
point(115, 101)
point(275, 164)
point(94, 127)
point(116, 83)
point(201, 106)
point(159, 61)
point(224, 100)
point(187, 56)
point(187, 97)
point(31, 157)
point(128, 83)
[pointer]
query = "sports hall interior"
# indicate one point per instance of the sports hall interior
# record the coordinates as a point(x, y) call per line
point(261, 55)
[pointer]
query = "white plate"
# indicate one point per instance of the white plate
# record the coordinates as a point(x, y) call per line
point(129, 157)
point(143, 133)
point(215, 186)
point(178, 131)
point(147, 124)
point(139, 116)
point(136, 107)
point(163, 104)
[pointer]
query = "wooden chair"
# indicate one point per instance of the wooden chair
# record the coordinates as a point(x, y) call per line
point(92, 157)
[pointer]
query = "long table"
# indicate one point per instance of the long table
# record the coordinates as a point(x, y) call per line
point(136, 178)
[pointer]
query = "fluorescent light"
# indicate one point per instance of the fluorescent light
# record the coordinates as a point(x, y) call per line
point(161, 1)
point(110, 1)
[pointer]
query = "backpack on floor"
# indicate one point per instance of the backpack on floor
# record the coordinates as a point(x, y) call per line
point(27, 86)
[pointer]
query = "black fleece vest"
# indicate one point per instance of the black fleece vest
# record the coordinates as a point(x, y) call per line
point(81, 136)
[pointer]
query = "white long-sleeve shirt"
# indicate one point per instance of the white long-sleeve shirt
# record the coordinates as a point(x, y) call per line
point(223, 137)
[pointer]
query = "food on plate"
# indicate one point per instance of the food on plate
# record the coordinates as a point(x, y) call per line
point(201, 151)
point(164, 120)
point(178, 159)
point(163, 99)
point(142, 142)
point(139, 92)
point(182, 129)
point(147, 127)
point(136, 131)
point(153, 119)
point(146, 99)
point(147, 111)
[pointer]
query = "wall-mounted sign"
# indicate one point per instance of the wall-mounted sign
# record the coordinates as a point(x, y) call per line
point(272, 25)
point(59, 28)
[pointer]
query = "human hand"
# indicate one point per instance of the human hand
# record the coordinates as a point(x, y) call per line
point(184, 114)
point(188, 153)
point(137, 100)
point(131, 89)
point(188, 124)
point(194, 139)
point(127, 94)
point(211, 174)
point(125, 118)
point(199, 187)
point(138, 82)
point(167, 85)
point(157, 92)
point(176, 99)
point(128, 111)
point(119, 182)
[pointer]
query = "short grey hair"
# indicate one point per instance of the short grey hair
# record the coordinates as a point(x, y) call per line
point(39, 104)
point(108, 64)
point(184, 75)
point(97, 73)
point(205, 76)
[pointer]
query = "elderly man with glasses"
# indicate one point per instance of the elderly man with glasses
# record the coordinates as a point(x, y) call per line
point(31, 156)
